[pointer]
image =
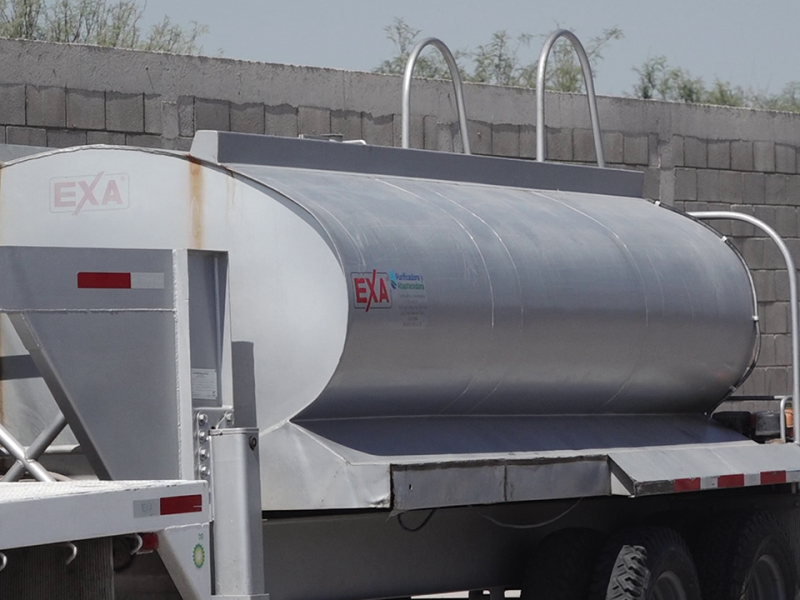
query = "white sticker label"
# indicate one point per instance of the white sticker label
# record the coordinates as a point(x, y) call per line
point(204, 384)
point(147, 281)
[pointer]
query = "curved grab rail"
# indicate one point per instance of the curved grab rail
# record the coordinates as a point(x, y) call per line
point(457, 86)
point(793, 296)
point(541, 151)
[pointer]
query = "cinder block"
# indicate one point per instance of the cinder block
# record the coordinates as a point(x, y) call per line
point(786, 221)
point(144, 141)
point(65, 138)
point(777, 380)
point(677, 151)
point(154, 116)
point(480, 137)
point(708, 188)
point(505, 140)
point(378, 131)
point(653, 150)
point(182, 144)
point(776, 315)
point(767, 355)
point(719, 155)
point(695, 152)
point(755, 186)
point(756, 384)
point(125, 112)
point(86, 110)
point(685, 184)
point(248, 118)
point(731, 187)
point(26, 136)
point(281, 120)
point(765, 213)
point(105, 137)
point(12, 104)
point(773, 256)
point(652, 184)
point(348, 123)
point(430, 126)
point(635, 150)
point(781, 286)
point(583, 146)
point(186, 116)
point(46, 106)
point(793, 189)
point(775, 189)
point(742, 155)
point(783, 350)
point(785, 159)
point(212, 114)
point(559, 145)
point(314, 121)
point(613, 144)
point(444, 132)
point(764, 157)
point(170, 120)
point(527, 141)
point(766, 287)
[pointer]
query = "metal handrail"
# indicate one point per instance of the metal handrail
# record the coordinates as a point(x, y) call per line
point(17, 450)
point(457, 86)
point(588, 81)
point(35, 450)
point(787, 257)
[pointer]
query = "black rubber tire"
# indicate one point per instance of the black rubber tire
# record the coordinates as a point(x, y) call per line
point(738, 552)
point(639, 563)
point(561, 566)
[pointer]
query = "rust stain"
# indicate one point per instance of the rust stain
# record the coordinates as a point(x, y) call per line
point(197, 199)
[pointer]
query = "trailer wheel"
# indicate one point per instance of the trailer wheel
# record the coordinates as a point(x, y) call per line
point(561, 566)
point(648, 563)
point(746, 556)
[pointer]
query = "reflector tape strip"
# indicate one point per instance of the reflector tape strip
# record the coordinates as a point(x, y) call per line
point(171, 505)
point(771, 477)
point(691, 484)
point(729, 481)
point(177, 505)
point(120, 281)
point(694, 484)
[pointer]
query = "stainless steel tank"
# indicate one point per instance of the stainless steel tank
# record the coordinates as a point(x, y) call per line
point(379, 282)
point(475, 299)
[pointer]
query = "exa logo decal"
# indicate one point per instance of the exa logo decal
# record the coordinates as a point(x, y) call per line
point(371, 290)
point(104, 191)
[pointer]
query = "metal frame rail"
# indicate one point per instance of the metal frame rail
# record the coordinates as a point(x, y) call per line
point(787, 257)
point(588, 81)
point(457, 86)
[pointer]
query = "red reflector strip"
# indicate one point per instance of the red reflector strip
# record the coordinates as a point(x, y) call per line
point(691, 484)
point(729, 481)
point(770, 477)
point(117, 281)
point(177, 505)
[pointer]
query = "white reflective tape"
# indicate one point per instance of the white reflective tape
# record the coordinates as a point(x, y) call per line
point(792, 476)
point(752, 479)
point(147, 281)
point(709, 483)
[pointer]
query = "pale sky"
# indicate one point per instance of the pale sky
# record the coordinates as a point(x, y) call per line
point(749, 43)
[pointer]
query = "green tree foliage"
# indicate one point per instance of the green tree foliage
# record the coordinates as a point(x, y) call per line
point(97, 22)
point(498, 61)
point(660, 81)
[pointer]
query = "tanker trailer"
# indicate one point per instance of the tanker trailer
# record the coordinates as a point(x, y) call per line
point(466, 373)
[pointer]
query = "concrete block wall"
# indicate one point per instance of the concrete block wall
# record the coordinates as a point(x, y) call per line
point(693, 157)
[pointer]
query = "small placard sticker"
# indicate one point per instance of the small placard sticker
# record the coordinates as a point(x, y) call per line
point(204, 384)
